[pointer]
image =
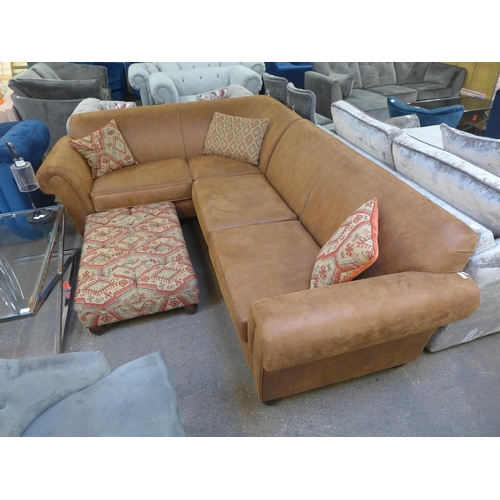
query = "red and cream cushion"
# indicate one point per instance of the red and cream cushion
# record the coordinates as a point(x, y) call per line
point(212, 94)
point(352, 248)
point(105, 150)
point(134, 262)
point(236, 137)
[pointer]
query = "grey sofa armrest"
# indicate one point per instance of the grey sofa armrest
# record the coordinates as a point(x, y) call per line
point(457, 81)
point(327, 91)
point(162, 89)
point(246, 77)
point(138, 78)
point(258, 67)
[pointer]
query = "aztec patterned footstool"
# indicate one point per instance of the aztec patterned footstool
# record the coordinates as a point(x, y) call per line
point(134, 262)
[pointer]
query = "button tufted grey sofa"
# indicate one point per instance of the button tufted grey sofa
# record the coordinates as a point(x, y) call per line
point(75, 394)
point(367, 85)
point(173, 82)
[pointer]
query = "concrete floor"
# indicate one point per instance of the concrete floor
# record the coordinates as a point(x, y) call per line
point(448, 393)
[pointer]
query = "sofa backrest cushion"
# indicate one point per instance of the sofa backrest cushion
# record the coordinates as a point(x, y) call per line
point(344, 68)
point(440, 73)
point(469, 188)
point(44, 71)
point(153, 133)
point(376, 74)
point(44, 88)
point(414, 233)
point(291, 171)
point(410, 72)
point(370, 135)
point(481, 151)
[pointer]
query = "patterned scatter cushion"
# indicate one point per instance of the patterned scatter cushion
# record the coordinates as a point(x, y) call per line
point(483, 152)
point(236, 137)
point(212, 94)
point(352, 248)
point(116, 104)
point(105, 150)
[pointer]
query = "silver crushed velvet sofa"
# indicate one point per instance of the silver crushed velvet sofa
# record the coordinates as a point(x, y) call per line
point(173, 82)
point(367, 85)
point(458, 185)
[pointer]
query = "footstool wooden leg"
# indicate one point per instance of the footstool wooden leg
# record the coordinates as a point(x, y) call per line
point(191, 309)
point(97, 330)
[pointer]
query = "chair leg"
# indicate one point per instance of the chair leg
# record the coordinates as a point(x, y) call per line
point(191, 309)
point(272, 402)
point(97, 330)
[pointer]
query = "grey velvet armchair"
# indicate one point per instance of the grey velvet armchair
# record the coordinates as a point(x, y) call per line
point(49, 92)
point(77, 395)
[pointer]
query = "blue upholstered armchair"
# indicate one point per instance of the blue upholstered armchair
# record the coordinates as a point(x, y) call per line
point(493, 125)
point(292, 71)
point(31, 139)
point(448, 114)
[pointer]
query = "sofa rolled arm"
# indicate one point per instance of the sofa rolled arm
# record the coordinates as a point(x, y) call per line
point(162, 89)
point(241, 75)
point(457, 81)
point(66, 174)
point(327, 91)
point(138, 77)
point(312, 325)
point(258, 67)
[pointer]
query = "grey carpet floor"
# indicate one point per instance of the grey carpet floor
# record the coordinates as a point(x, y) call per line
point(449, 393)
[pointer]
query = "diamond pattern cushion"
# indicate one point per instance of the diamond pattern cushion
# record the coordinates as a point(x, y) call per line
point(105, 150)
point(352, 248)
point(236, 137)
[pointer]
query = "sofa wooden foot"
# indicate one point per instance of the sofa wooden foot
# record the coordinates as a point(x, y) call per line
point(272, 402)
point(191, 309)
point(97, 330)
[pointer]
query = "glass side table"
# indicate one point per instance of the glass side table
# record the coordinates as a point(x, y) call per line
point(33, 263)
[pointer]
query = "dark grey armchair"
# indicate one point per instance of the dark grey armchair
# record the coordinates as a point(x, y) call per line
point(50, 92)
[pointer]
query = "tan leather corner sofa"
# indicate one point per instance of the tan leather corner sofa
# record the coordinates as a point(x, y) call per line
point(264, 226)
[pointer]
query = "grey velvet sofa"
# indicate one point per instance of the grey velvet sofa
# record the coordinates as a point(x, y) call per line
point(173, 82)
point(456, 183)
point(50, 91)
point(367, 85)
point(76, 394)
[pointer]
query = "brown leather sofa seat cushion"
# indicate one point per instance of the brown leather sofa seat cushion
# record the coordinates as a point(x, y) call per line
point(261, 261)
point(141, 184)
point(237, 201)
